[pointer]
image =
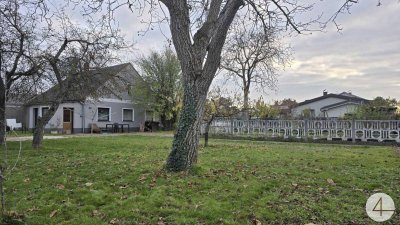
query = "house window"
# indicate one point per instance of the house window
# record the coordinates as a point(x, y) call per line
point(127, 114)
point(103, 114)
point(44, 111)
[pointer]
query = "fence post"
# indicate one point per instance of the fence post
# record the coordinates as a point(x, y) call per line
point(232, 132)
point(353, 130)
point(248, 127)
point(306, 129)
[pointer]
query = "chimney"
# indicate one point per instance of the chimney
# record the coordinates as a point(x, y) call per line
point(325, 92)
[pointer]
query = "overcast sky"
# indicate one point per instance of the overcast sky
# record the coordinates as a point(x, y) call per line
point(363, 58)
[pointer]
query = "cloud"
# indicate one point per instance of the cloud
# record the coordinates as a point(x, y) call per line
point(363, 58)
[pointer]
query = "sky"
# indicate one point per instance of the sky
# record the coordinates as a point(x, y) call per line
point(363, 58)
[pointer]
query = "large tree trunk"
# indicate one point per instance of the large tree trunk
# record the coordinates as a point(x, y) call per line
point(199, 57)
point(2, 114)
point(186, 139)
point(41, 123)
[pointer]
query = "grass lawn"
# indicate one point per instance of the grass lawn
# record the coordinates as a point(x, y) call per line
point(119, 180)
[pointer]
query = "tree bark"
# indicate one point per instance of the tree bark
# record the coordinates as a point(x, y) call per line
point(184, 147)
point(246, 107)
point(41, 123)
point(2, 114)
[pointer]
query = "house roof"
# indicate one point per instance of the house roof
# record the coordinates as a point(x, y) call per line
point(81, 86)
point(336, 105)
point(345, 96)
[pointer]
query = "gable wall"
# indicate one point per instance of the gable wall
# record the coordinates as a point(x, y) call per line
point(122, 80)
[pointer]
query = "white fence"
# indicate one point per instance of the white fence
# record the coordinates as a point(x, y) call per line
point(362, 130)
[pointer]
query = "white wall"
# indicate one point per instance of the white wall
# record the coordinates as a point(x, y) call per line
point(116, 112)
point(316, 106)
point(341, 111)
point(88, 114)
point(57, 119)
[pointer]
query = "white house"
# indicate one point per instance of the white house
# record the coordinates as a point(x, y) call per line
point(79, 110)
point(329, 105)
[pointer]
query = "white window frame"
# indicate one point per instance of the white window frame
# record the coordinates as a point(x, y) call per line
point(133, 115)
point(109, 112)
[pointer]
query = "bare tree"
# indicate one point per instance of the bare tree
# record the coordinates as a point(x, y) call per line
point(19, 61)
point(253, 55)
point(72, 51)
point(219, 106)
point(199, 30)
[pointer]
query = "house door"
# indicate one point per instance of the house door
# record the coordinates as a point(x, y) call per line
point(35, 116)
point(68, 120)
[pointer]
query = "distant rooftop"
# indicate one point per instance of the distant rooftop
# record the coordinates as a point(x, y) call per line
point(346, 96)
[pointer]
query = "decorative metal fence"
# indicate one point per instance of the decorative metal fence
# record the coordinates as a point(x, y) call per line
point(362, 130)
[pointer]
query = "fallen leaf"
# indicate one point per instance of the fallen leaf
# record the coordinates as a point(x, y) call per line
point(294, 184)
point(331, 182)
point(256, 222)
point(114, 221)
point(15, 215)
point(27, 180)
point(60, 186)
point(123, 186)
point(142, 178)
point(32, 209)
point(311, 224)
point(95, 212)
point(53, 213)
point(88, 184)
point(160, 221)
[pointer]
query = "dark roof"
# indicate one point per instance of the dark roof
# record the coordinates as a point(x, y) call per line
point(81, 86)
point(344, 95)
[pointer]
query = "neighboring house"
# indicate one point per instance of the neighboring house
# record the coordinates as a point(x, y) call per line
point(80, 109)
point(329, 105)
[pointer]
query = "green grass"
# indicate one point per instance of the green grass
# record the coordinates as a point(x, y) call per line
point(17, 133)
point(119, 179)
